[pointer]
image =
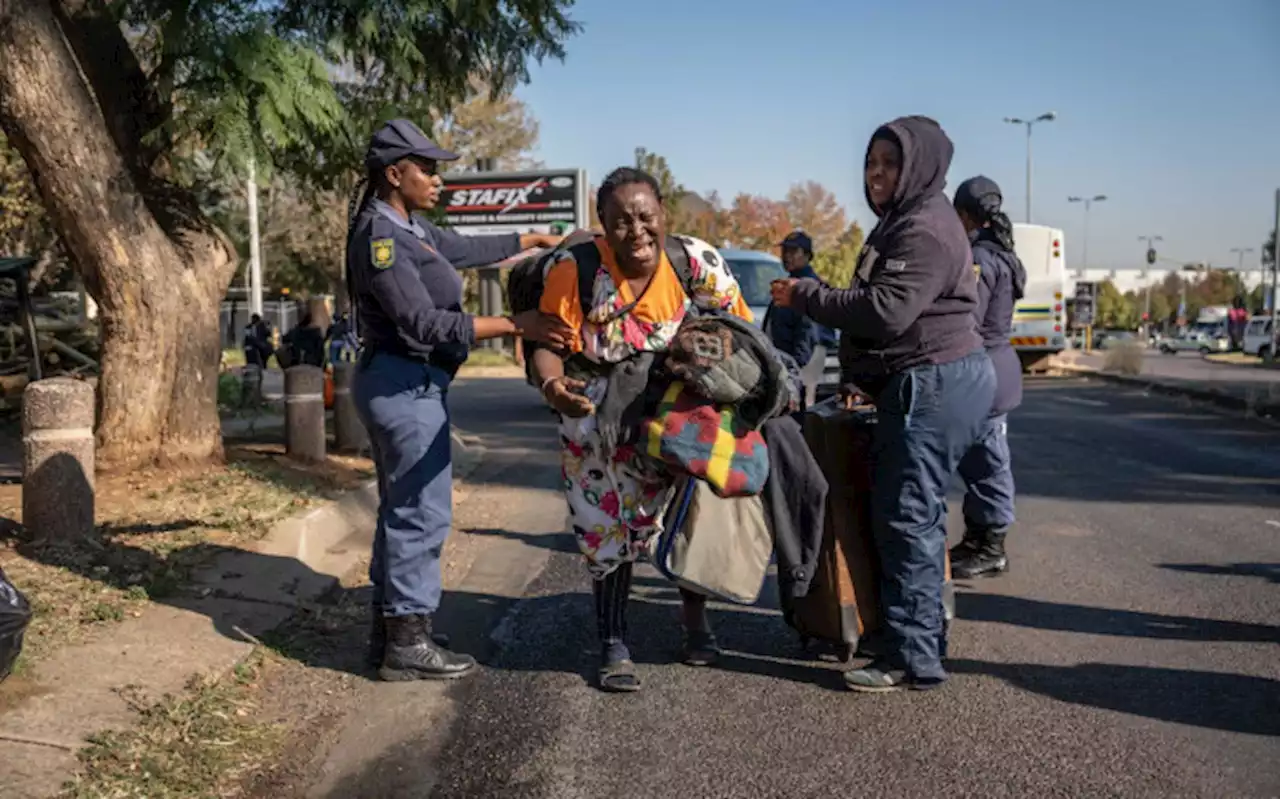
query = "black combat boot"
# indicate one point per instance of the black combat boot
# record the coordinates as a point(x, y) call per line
point(967, 546)
point(378, 638)
point(411, 654)
point(987, 560)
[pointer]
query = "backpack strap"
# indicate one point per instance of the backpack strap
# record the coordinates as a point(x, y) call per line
point(587, 256)
point(679, 258)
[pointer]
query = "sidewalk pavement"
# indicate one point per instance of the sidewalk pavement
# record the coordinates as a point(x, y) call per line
point(207, 628)
point(1243, 392)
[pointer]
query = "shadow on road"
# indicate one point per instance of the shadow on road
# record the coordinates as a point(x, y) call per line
point(1107, 621)
point(1266, 571)
point(1231, 702)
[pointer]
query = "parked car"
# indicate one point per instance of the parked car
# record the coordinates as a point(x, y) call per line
point(1257, 336)
point(1116, 338)
point(1203, 343)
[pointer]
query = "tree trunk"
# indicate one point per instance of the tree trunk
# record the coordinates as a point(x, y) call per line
point(157, 292)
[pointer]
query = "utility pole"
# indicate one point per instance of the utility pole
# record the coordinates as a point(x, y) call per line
point(255, 253)
point(1275, 283)
point(1046, 117)
point(1241, 251)
point(1088, 203)
point(1151, 259)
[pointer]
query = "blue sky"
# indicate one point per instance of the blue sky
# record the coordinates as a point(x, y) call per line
point(1171, 108)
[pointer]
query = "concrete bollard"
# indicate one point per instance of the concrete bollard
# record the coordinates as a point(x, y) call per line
point(304, 434)
point(58, 458)
point(348, 431)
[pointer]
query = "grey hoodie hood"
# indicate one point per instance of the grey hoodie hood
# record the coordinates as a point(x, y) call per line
point(926, 157)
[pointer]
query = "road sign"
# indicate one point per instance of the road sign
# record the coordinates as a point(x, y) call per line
point(517, 202)
point(1086, 290)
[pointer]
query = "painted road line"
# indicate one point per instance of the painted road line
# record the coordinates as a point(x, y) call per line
point(1273, 522)
point(1092, 403)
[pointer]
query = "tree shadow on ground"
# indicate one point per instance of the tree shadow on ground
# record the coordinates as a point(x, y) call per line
point(1212, 700)
point(1266, 571)
point(1066, 617)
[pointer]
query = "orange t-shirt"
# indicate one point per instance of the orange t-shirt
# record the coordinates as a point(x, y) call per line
point(662, 300)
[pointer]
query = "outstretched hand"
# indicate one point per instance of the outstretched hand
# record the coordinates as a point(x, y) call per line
point(783, 291)
point(564, 394)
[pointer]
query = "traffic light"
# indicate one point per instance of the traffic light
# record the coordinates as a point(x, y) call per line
point(1146, 317)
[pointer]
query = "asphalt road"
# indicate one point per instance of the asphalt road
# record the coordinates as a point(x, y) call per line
point(1190, 366)
point(1132, 650)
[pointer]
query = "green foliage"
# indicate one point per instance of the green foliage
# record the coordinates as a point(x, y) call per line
point(672, 192)
point(836, 265)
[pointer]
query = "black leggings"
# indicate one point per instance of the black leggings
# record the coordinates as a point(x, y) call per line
point(611, 595)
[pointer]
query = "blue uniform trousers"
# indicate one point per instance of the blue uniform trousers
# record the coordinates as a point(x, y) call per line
point(927, 419)
point(988, 478)
point(402, 404)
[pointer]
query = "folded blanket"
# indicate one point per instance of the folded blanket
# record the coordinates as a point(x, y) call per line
point(708, 441)
point(729, 361)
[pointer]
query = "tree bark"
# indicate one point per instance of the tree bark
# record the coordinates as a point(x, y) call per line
point(157, 291)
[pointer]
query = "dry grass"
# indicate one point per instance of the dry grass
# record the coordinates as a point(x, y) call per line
point(154, 528)
point(1125, 358)
point(205, 743)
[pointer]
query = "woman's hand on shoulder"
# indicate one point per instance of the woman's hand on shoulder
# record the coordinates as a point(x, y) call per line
point(538, 326)
point(564, 394)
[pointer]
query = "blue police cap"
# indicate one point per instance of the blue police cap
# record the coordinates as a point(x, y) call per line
point(979, 194)
point(798, 239)
point(399, 139)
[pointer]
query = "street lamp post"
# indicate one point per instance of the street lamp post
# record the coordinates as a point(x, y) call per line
point(1088, 203)
point(1046, 117)
point(1240, 251)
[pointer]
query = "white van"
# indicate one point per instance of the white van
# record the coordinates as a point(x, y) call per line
point(1257, 336)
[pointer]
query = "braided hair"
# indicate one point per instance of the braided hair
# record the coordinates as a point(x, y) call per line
point(361, 194)
point(980, 199)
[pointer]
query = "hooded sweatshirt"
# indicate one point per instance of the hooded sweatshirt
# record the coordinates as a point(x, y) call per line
point(914, 292)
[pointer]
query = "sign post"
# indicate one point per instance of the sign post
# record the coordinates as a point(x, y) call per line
point(1086, 293)
point(544, 201)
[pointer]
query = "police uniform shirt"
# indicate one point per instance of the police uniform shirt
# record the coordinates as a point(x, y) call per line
point(407, 287)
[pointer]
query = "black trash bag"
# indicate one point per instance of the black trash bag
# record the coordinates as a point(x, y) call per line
point(15, 614)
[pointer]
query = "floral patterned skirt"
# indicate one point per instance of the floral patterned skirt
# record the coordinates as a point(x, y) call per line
point(615, 504)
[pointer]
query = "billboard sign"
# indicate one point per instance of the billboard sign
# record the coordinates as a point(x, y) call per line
point(532, 201)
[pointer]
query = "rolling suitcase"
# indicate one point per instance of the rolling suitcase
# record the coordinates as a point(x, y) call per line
point(842, 607)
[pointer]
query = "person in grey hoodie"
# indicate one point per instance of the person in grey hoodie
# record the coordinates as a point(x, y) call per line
point(909, 342)
point(985, 469)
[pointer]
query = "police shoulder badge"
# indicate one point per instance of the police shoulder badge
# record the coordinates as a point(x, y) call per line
point(383, 252)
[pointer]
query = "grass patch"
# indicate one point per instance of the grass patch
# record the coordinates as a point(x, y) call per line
point(486, 357)
point(204, 743)
point(154, 528)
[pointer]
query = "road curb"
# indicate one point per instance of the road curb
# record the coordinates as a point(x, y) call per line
point(315, 538)
point(1215, 396)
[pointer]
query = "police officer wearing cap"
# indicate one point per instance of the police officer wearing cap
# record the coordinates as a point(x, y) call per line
point(404, 284)
point(986, 469)
point(794, 333)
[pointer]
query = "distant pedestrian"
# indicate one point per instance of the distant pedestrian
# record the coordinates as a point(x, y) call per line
point(985, 468)
point(407, 295)
point(805, 340)
point(908, 340)
point(305, 343)
point(257, 342)
point(341, 338)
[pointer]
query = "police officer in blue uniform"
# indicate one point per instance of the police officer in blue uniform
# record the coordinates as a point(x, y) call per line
point(402, 274)
point(985, 469)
